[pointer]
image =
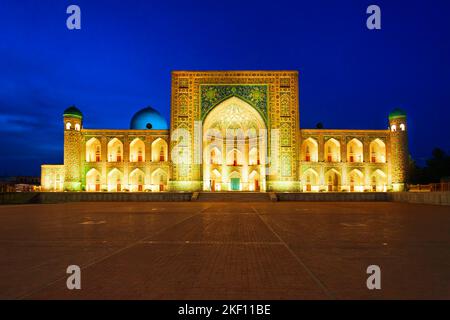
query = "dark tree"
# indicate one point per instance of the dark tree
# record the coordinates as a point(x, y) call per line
point(416, 173)
point(437, 168)
point(319, 125)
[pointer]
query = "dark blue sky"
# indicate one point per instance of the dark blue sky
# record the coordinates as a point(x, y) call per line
point(120, 61)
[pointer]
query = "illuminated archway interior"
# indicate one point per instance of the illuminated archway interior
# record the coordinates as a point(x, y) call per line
point(234, 148)
point(332, 150)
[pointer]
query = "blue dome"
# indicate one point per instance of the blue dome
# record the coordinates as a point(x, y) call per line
point(148, 118)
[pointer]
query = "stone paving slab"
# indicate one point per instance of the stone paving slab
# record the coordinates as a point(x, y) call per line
point(226, 228)
point(290, 250)
point(194, 271)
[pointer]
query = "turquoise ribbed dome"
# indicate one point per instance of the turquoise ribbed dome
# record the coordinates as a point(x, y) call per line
point(397, 113)
point(73, 111)
point(148, 118)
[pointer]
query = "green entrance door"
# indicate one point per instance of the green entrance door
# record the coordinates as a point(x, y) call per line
point(235, 184)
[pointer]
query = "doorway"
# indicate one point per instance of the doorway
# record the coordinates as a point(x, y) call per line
point(235, 184)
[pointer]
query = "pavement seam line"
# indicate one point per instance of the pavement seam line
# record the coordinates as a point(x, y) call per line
point(232, 243)
point(297, 258)
point(90, 264)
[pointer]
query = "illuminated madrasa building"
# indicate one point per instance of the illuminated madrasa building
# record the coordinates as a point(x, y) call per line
point(229, 131)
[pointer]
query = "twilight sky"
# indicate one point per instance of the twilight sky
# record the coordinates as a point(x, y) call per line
point(121, 59)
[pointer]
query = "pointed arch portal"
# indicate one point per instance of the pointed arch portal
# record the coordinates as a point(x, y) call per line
point(235, 131)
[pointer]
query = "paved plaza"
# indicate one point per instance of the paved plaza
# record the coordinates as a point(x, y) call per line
point(202, 250)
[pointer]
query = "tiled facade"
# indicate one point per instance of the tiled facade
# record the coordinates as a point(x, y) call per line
point(268, 150)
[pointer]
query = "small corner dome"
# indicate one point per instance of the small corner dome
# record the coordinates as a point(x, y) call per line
point(397, 113)
point(148, 118)
point(73, 111)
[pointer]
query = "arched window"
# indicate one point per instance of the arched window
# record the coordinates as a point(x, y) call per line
point(355, 151)
point(93, 150)
point(115, 148)
point(356, 181)
point(310, 180)
point(379, 181)
point(333, 178)
point(333, 150)
point(159, 150)
point(93, 180)
point(235, 157)
point(136, 180)
point(115, 180)
point(137, 148)
point(77, 126)
point(253, 156)
point(393, 128)
point(68, 126)
point(310, 150)
point(377, 151)
point(402, 127)
point(159, 180)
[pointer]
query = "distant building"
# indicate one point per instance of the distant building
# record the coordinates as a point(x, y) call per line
point(19, 184)
point(230, 131)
